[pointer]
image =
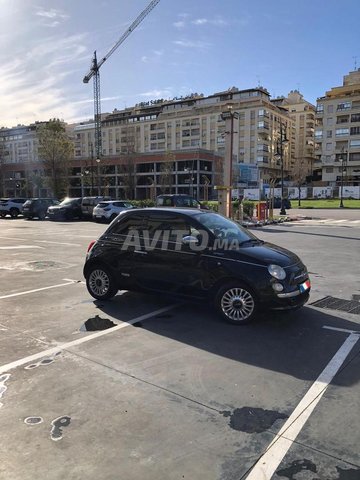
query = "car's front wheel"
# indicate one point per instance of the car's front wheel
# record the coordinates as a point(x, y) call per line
point(100, 283)
point(14, 212)
point(237, 303)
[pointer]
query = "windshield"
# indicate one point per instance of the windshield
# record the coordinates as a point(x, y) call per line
point(225, 229)
point(68, 201)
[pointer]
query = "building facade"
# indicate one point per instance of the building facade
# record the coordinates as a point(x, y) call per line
point(302, 113)
point(337, 133)
point(154, 135)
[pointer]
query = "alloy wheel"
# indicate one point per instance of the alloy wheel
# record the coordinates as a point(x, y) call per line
point(237, 304)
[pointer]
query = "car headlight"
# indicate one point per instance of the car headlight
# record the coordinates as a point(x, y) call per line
point(277, 272)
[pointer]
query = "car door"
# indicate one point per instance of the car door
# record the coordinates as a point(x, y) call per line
point(121, 247)
point(169, 265)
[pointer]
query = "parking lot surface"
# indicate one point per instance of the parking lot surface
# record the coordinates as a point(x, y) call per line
point(171, 391)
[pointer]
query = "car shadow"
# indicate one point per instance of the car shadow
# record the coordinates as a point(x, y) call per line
point(295, 344)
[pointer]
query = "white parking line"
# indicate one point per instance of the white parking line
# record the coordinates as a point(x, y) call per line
point(345, 330)
point(20, 246)
point(79, 341)
point(59, 243)
point(266, 466)
point(71, 282)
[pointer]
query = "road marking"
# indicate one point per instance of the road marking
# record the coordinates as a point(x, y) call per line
point(266, 466)
point(37, 290)
point(59, 243)
point(12, 238)
point(79, 341)
point(20, 246)
point(74, 281)
point(341, 329)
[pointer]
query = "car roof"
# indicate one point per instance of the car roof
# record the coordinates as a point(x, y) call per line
point(184, 211)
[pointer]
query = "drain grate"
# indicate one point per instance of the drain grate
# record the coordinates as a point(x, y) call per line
point(333, 303)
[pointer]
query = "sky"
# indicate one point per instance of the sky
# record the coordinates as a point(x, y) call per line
point(181, 47)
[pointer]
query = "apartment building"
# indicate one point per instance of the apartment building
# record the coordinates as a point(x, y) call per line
point(147, 133)
point(302, 113)
point(18, 153)
point(337, 133)
point(195, 122)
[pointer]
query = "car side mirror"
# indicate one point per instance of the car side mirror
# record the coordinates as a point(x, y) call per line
point(190, 240)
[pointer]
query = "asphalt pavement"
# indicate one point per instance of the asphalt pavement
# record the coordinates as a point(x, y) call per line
point(172, 391)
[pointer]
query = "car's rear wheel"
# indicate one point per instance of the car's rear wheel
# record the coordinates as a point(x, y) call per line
point(237, 303)
point(2, 215)
point(14, 212)
point(100, 283)
point(42, 215)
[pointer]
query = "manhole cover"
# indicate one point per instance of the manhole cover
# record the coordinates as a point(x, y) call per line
point(333, 303)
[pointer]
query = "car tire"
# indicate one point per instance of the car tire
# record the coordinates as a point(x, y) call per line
point(14, 212)
point(100, 283)
point(42, 215)
point(2, 215)
point(236, 303)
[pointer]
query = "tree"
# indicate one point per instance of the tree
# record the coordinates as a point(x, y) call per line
point(55, 149)
point(2, 162)
point(299, 173)
point(166, 173)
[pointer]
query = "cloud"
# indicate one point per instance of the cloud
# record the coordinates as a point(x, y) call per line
point(52, 13)
point(192, 44)
point(34, 82)
point(179, 24)
point(158, 93)
point(154, 58)
point(200, 21)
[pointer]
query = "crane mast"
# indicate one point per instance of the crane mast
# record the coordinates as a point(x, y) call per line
point(95, 74)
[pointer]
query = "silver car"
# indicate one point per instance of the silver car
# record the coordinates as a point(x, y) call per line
point(107, 211)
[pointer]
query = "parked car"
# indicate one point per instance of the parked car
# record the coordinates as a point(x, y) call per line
point(68, 209)
point(11, 206)
point(178, 200)
point(89, 203)
point(37, 207)
point(197, 255)
point(107, 211)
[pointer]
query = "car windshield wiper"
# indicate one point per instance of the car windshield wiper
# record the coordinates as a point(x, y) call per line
point(252, 240)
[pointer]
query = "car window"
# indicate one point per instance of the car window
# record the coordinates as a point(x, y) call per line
point(103, 205)
point(170, 226)
point(223, 228)
point(128, 224)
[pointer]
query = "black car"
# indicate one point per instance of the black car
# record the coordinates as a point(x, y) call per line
point(37, 207)
point(68, 209)
point(178, 200)
point(196, 255)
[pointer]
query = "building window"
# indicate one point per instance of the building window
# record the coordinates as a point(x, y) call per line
point(355, 117)
point(330, 108)
point(329, 170)
point(329, 121)
point(328, 146)
point(354, 143)
point(329, 134)
point(320, 108)
point(355, 131)
point(318, 134)
point(339, 132)
point(344, 106)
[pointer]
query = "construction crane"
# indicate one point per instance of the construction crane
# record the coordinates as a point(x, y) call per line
point(94, 72)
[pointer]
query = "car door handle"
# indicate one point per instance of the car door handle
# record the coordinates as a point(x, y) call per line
point(140, 252)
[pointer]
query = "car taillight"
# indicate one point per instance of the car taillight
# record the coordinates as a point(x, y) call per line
point(91, 244)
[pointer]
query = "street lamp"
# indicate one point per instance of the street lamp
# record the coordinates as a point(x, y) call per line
point(343, 168)
point(228, 116)
point(280, 155)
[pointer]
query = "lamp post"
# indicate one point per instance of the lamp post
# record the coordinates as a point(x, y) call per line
point(280, 154)
point(343, 161)
point(225, 193)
